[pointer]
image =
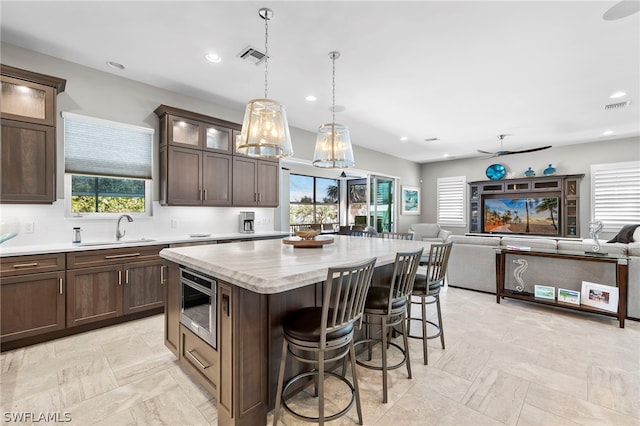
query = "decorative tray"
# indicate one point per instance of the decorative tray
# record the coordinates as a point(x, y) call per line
point(319, 241)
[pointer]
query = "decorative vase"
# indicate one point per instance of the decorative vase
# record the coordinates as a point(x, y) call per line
point(549, 170)
point(529, 172)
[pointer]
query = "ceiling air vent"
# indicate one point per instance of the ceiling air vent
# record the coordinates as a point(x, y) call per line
point(252, 54)
point(618, 105)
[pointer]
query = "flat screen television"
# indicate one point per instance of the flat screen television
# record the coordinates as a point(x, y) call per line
point(521, 215)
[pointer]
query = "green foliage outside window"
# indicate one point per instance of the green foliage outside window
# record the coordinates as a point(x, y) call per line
point(92, 194)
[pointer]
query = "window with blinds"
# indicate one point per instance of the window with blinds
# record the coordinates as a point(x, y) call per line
point(615, 194)
point(107, 166)
point(451, 201)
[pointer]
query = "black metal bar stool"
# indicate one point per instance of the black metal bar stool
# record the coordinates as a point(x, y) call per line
point(387, 307)
point(427, 286)
point(321, 335)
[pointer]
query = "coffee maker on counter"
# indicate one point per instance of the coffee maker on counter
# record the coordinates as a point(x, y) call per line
point(247, 220)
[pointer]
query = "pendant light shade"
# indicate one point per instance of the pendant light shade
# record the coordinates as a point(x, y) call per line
point(265, 129)
point(333, 147)
point(333, 144)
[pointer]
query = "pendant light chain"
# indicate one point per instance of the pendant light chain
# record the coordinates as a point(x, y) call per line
point(333, 108)
point(266, 54)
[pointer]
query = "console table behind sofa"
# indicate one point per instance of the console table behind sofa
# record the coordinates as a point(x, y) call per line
point(472, 261)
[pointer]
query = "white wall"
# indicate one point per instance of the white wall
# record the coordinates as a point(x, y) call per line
point(569, 159)
point(109, 96)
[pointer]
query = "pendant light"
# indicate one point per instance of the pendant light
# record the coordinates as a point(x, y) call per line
point(265, 130)
point(333, 144)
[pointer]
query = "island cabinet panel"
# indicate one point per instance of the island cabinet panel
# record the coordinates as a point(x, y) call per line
point(32, 295)
point(243, 350)
point(94, 294)
point(200, 359)
point(172, 309)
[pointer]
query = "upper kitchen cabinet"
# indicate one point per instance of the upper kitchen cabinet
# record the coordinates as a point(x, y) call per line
point(28, 144)
point(255, 182)
point(195, 159)
point(192, 130)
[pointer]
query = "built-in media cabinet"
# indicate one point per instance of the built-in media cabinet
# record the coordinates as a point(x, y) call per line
point(545, 206)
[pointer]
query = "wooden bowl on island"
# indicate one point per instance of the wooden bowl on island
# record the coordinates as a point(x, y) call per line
point(307, 234)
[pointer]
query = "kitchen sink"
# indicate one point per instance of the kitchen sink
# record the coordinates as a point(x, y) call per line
point(107, 243)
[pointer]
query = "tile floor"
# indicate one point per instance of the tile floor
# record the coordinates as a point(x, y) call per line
point(513, 363)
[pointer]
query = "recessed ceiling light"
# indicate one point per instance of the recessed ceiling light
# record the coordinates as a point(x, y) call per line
point(310, 98)
point(404, 138)
point(115, 65)
point(617, 95)
point(212, 57)
point(607, 133)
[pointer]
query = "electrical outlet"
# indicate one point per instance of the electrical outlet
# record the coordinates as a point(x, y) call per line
point(28, 227)
point(174, 223)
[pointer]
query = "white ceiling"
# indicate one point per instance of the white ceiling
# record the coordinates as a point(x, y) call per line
point(463, 72)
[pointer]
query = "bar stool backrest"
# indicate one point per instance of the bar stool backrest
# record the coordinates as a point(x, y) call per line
point(404, 276)
point(438, 261)
point(345, 293)
point(397, 235)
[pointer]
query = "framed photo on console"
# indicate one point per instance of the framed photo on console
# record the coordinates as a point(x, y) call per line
point(410, 200)
point(568, 296)
point(600, 296)
point(545, 292)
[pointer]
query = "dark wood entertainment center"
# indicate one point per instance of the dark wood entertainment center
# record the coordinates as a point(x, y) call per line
point(564, 188)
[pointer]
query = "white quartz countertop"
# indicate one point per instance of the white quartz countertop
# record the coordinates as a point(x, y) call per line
point(151, 241)
point(269, 266)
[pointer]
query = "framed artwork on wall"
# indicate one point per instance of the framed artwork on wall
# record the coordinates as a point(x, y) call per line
point(410, 200)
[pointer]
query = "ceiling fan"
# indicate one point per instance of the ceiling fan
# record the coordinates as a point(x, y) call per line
point(503, 152)
point(343, 175)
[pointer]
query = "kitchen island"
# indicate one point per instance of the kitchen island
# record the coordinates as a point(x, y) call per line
point(258, 283)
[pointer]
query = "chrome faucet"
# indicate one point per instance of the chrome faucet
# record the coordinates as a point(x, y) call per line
point(119, 234)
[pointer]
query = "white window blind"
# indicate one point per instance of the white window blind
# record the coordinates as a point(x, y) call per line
point(94, 146)
point(451, 201)
point(615, 194)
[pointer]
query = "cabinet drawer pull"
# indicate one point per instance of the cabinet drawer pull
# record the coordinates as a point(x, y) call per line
point(195, 358)
point(204, 192)
point(126, 276)
point(60, 281)
point(162, 274)
point(25, 265)
point(119, 277)
point(259, 197)
point(118, 256)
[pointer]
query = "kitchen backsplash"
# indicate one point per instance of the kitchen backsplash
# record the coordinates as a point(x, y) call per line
point(46, 224)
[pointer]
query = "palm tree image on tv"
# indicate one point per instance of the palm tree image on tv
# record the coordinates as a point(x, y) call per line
point(521, 215)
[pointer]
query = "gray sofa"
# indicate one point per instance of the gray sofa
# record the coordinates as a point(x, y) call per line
point(430, 232)
point(472, 263)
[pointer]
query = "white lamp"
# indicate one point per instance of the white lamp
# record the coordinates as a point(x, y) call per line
point(265, 129)
point(333, 144)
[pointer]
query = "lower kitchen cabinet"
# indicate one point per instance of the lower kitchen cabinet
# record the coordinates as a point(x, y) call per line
point(143, 286)
point(32, 295)
point(111, 288)
point(94, 294)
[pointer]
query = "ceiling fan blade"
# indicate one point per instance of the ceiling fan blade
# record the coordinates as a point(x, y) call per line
point(523, 150)
point(485, 152)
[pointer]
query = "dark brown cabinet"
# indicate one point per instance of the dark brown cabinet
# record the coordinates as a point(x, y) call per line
point(32, 296)
point(562, 191)
point(255, 182)
point(118, 282)
point(195, 158)
point(28, 143)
